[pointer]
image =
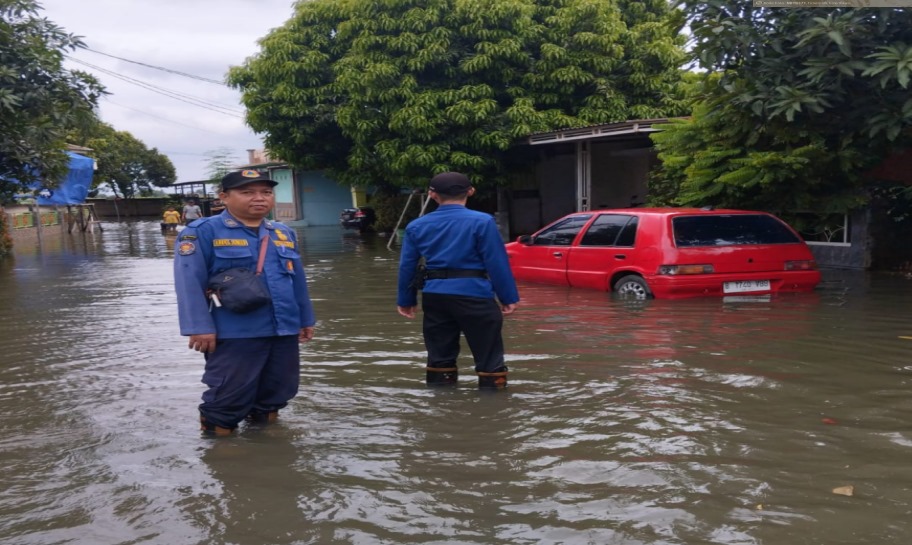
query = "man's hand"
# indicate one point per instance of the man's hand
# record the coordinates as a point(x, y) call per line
point(306, 334)
point(202, 343)
point(508, 309)
point(408, 312)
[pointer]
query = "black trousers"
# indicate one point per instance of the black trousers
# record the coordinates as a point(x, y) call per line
point(259, 374)
point(480, 320)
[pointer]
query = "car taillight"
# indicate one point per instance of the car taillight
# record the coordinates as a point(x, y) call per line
point(807, 265)
point(674, 270)
point(359, 214)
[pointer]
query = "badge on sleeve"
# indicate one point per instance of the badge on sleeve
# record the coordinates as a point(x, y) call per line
point(186, 248)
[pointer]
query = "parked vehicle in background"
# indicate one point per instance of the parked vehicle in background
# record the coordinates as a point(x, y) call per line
point(361, 218)
point(667, 253)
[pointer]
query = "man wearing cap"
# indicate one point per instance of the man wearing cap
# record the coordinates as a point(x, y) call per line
point(468, 286)
point(252, 357)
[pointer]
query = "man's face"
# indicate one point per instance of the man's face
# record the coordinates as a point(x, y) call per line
point(249, 202)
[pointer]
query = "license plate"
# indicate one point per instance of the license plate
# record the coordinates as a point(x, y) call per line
point(741, 286)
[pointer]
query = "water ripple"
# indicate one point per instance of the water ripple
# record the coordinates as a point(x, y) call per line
point(654, 422)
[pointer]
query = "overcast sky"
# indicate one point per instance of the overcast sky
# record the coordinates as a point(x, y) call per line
point(198, 37)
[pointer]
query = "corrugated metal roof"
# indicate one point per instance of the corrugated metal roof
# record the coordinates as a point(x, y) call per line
point(605, 130)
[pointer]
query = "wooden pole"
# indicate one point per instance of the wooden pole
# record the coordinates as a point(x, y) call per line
point(395, 232)
point(38, 222)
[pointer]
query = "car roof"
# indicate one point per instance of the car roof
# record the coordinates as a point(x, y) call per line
point(670, 211)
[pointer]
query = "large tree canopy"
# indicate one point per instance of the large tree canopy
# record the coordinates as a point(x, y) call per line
point(125, 164)
point(392, 91)
point(40, 102)
point(797, 105)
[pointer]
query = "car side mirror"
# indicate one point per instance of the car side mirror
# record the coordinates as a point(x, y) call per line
point(525, 240)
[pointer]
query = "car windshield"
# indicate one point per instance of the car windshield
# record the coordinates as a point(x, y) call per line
point(730, 230)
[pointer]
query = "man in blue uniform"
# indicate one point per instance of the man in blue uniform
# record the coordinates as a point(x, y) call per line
point(466, 267)
point(252, 357)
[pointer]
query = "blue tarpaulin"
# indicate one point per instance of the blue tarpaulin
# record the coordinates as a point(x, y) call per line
point(74, 188)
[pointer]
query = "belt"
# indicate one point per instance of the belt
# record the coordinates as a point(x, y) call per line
point(443, 274)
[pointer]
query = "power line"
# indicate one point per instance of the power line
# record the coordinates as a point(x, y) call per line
point(161, 90)
point(163, 69)
point(166, 92)
point(108, 100)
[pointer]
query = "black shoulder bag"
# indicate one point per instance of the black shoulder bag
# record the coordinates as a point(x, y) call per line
point(240, 290)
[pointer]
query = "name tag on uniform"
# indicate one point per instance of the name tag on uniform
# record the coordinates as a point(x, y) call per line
point(230, 242)
point(285, 243)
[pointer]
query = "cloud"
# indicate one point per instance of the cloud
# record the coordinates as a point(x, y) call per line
point(199, 37)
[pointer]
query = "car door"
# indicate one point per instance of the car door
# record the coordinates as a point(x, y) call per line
point(545, 258)
point(607, 245)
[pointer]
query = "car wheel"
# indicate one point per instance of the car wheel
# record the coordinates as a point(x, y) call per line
point(632, 287)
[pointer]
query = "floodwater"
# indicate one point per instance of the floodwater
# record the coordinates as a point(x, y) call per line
point(656, 422)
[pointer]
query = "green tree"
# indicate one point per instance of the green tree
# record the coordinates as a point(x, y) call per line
point(219, 161)
point(40, 101)
point(157, 170)
point(125, 164)
point(390, 92)
point(796, 105)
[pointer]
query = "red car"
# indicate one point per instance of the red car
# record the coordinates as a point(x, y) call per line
point(667, 253)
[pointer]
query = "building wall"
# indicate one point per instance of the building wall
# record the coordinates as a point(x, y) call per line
point(892, 248)
point(130, 208)
point(56, 221)
point(556, 177)
point(619, 176)
point(322, 199)
point(854, 255)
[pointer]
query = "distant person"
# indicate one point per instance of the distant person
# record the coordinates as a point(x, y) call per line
point(466, 267)
point(216, 207)
point(252, 354)
point(192, 212)
point(170, 220)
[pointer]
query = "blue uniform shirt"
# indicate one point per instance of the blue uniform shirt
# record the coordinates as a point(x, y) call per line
point(454, 237)
point(214, 244)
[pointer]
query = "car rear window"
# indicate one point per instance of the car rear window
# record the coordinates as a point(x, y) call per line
point(730, 230)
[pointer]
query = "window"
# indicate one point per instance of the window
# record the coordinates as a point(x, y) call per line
point(730, 230)
point(833, 229)
point(611, 230)
point(563, 232)
point(628, 234)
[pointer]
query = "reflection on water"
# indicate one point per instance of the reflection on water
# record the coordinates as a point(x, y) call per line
point(678, 422)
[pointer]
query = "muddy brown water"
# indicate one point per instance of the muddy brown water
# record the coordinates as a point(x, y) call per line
point(656, 422)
